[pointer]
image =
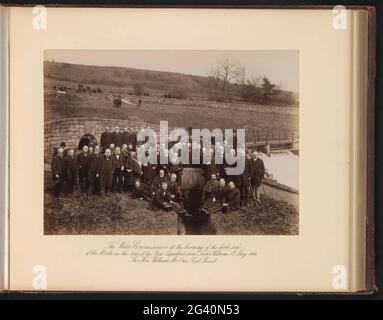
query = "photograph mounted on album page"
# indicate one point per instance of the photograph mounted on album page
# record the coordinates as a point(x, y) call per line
point(189, 149)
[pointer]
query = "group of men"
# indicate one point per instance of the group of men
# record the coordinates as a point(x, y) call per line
point(113, 166)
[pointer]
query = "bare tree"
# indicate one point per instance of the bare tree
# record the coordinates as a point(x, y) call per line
point(229, 73)
point(214, 82)
point(222, 76)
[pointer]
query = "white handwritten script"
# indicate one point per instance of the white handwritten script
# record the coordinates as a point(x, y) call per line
point(182, 252)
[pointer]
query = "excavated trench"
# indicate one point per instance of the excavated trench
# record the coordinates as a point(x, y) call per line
point(194, 223)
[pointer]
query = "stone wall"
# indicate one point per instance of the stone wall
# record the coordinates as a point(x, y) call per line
point(70, 131)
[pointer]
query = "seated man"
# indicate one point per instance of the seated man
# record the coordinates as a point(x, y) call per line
point(175, 168)
point(142, 191)
point(208, 191)
point(163, 200)
point(232, 199)
point(214, 203)
point(158, 180)
point(174, 188)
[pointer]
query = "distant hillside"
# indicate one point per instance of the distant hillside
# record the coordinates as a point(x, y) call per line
point(160, 83)
point(124, 77)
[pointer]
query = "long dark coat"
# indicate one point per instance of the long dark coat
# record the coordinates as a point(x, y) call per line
point(116, 138)
point(257, 172)
point(71, 167)
point(232, 198)
point(105, 140)
point(58, 168)
point(108, 169)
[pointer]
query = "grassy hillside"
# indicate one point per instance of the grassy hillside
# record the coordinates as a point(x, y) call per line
point(157, 81)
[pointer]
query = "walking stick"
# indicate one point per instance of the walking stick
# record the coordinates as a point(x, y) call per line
point(252, 191)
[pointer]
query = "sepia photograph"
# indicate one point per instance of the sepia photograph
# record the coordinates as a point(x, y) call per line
point(182, 142)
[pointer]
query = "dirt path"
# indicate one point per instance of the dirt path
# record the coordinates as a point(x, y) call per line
point(280, 195)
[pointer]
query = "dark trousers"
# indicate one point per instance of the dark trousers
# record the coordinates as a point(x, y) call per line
point(70, 182)
point(256, 184)
point(245, 193)
point(129, 180)
point(94, 185)
point(57, 186)
point(83, 180)
point(107, 181)
point(117, 180)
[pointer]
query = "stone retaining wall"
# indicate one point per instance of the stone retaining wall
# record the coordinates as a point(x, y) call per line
point(70, 131)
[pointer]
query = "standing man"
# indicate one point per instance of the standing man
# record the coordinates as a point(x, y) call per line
point(111, 148)
point(95, 172)
point(246, 190)
point(132, 172)
point(83, 160)
point(133, 137)
point(57, 166)
point(106, 139)
point(119, 163)
point(108, 169)
point(65, 150)
point(117, 137)
point(125, 138)
point(257, 174)
point(71, 169)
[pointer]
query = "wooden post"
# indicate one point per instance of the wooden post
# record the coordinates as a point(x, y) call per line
point(268, 149)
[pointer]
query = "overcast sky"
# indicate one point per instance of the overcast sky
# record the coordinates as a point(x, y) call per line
point(280, 66)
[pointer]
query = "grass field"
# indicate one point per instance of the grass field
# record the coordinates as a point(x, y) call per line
point(117, 214)
point(179, 113)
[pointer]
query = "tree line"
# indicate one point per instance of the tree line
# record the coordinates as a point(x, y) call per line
point(228, 81)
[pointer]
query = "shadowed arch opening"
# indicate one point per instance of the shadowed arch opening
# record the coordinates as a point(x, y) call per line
point(87, 140)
